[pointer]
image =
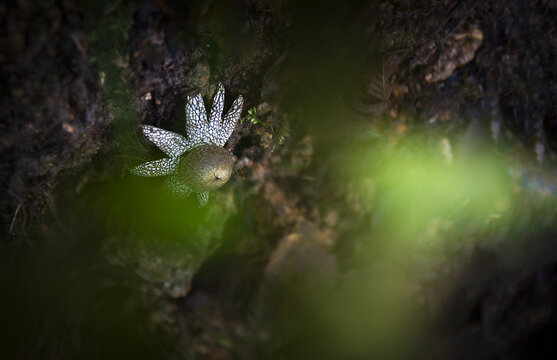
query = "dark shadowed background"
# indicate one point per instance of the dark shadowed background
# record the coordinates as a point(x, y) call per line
point(394, 193)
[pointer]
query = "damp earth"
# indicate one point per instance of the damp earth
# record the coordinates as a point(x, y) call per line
point(391, 193)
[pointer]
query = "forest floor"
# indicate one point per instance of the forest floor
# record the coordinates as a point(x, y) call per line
point(394, 194)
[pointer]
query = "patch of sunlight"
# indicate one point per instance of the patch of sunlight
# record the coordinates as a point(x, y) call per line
point(417, 197)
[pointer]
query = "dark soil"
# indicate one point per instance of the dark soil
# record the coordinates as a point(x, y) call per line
point(313, 249)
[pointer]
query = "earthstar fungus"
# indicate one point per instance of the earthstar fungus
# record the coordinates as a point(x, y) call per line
point(198, 162)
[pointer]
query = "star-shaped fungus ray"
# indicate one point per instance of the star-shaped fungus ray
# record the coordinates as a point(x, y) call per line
point(203, 197)
point(196, 119)
point(176, 187)
point(215, 120)
point(171, 143)
point(156, 168)
point(230, 120)
point(218, 106)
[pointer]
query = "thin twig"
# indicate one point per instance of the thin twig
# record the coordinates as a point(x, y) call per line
point(13, 220)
